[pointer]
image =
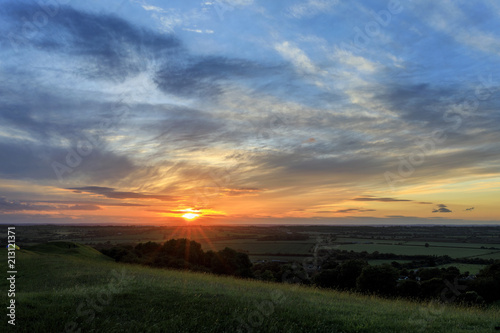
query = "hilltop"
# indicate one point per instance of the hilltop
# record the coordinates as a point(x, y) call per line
point(65, 287)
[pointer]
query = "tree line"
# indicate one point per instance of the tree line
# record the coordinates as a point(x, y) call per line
point(183, 254)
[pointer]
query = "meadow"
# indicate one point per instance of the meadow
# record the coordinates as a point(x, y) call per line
point(65, 288)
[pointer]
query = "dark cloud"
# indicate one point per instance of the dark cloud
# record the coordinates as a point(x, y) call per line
point(441, 209)
point(412, 101)
point(16, 206)
point(112, 47)
point(21, 160)
point(112, 193)
point(111, 204)
point(296, 162)
point(204, 76)
point(12, 206)
point(469, 209)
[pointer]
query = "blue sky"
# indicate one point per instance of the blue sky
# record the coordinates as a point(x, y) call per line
point(250, 111)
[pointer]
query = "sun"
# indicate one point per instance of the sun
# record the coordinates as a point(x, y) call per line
point(190, 216)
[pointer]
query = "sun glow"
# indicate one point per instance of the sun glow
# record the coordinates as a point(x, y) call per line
point(190, 216)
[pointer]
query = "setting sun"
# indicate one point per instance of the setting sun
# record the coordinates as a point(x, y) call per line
point(190, 216)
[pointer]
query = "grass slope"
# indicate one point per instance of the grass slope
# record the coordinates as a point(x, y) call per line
point(61, 288)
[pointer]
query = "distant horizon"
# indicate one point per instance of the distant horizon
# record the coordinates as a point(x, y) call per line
point(247, 225)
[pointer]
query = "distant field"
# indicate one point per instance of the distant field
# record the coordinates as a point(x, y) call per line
point(281, 258)
point(471, 268)
point(260, 247)
point(445, 244)
point(388, 261)
point(421, 250)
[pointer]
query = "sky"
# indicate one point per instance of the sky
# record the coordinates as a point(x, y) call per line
point(250, 112)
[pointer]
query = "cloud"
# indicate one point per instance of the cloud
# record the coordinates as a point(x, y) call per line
point(11, 206)
point(204, 76)
point(297, 57)
point(469, 209)
point(311, 8)
point(347, 210)
point(18, 206)
point(401, 217)
point(84, 207)
point(441, 209)
point(111, 47)
point(109, 192)
point(167, 211)
point(241, 191)
point(379, 199)
point(93, 203)
point(455, 21)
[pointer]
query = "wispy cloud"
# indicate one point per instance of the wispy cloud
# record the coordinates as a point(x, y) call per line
point(347, 210)
point(8, 206)
point(379, 199)
point(113, 194)
point(311, 8)
point(297, 57)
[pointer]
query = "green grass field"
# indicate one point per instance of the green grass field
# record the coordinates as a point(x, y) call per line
point(63, 289)
point(453, 252)
point(261, 247)
point(471, 268)
point(386, 261)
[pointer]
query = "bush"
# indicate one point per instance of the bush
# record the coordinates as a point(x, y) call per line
point(408, 288)
point(381, 279)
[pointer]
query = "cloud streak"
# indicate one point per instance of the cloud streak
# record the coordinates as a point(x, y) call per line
point(109, 192)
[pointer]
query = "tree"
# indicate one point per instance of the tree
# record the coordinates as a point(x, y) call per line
point(429, 273)
point(230, 262)
point(487, 283)
point(432, 288)
point(408, 288)
point(450, 273)
point(470, 298)
point(349, 272)
point(147, 249)
point(381, 279)
point(327, 278)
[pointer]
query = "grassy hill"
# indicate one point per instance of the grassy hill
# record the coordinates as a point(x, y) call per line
point(67, 287)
